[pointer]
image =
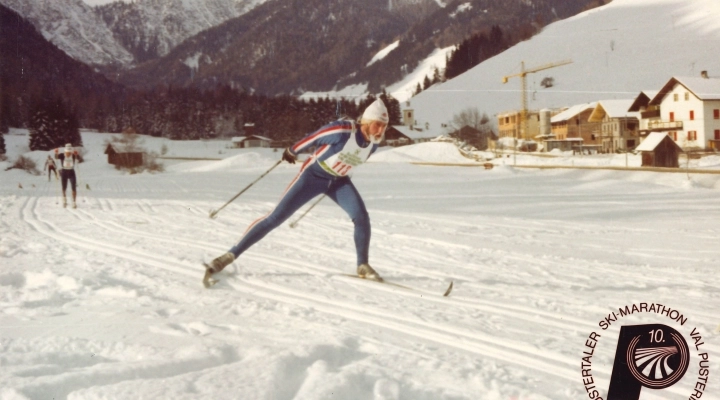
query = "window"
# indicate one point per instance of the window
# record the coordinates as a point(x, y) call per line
point(692, 115)
point(717, 134)
point(672, 116)
point(687, 96)
point(675, 97)
point(692, 135)
point(673, 135)
point(716, 114)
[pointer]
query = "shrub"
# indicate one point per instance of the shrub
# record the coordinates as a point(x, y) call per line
point(26, 165)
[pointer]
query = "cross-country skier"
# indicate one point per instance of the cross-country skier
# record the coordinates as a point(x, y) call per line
point(68, 160)
point(50, 166)
point(340, 146)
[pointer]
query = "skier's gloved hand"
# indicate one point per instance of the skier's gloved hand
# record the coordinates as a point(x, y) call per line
point(288, 156)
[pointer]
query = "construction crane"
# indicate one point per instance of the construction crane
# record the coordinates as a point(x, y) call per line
point(523, 73)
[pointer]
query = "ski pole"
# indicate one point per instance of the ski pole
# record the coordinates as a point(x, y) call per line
point(213, 213)
point(294, 224)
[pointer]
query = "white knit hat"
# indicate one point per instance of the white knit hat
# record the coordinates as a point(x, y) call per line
point(68, 148)
point(376, 112)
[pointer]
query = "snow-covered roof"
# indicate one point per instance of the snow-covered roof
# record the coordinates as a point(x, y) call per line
point(572, 111)
point(238, 139)
point(416, 134)
point(703, 88)
point(258, 137)
point(653, 140)
point(121, 148)
point(614, 109)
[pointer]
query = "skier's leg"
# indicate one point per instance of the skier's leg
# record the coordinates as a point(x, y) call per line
point(73, 186)
point(64, 179)
point(344, 193)
point(301, 190)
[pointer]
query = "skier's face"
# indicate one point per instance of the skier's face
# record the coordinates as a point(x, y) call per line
point(375, 131)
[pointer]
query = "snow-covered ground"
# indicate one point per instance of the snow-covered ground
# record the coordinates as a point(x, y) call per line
point(105, 301)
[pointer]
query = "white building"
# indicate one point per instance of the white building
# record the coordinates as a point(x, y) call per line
point(689, 112)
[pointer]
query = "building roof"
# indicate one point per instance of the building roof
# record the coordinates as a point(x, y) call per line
point(416, 134)
point(653, 140)
point(258, 137)
point(643, 99)
point(572, 112)
point(121, 148)
point(703, 88)
point(613, 109)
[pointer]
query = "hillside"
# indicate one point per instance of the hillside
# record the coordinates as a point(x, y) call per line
point(37, 70)
point(284, 46)
point(617, 51)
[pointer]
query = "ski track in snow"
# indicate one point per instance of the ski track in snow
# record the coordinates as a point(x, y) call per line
point(110, 303)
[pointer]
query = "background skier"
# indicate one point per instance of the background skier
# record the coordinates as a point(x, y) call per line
point(68, 160)
point(340, 146)
point(50, 166)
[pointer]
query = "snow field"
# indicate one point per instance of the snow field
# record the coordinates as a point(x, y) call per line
point(105, 301)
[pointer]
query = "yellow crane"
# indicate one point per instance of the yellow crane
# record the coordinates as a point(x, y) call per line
point(523, 73)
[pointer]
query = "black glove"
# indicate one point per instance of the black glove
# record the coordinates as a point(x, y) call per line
point(288, 156)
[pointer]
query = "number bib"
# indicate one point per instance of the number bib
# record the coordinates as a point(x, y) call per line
point(351, 156)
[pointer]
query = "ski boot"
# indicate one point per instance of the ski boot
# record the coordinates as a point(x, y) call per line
point(365, 271)
point(74, 204)
point(216, 266)
point(220, 263)
point(64, 202)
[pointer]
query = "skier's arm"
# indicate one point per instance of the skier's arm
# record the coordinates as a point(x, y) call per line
point(328, 134)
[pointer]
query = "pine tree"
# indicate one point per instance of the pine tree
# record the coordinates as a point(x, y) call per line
point(2, 144)
point(40, 138)
point(52, 125)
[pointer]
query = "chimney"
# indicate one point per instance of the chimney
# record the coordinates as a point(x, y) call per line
point(704, 74)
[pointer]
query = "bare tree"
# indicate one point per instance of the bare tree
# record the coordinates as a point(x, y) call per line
point(481, 130)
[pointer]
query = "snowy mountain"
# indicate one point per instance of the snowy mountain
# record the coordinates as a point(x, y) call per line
point(123, 34)
point(617, 50)
point(151, 28)
point(291, 47)
point(75, 28)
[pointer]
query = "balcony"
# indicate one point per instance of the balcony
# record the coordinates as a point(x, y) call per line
point(650, 114)
point(665, 125)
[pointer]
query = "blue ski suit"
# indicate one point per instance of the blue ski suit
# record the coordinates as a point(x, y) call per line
point(339, 147)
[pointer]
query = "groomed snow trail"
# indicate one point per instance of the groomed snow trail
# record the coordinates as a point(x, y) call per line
point(106, 299)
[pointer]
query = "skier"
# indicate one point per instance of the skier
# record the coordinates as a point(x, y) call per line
point(341, 146)
point(50, 166)
point(68, 160)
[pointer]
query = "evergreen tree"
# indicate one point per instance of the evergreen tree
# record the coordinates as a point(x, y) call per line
point(2, 144)
point(39, 126)
point(393, 107)
point(426, 82)
point(52, 125)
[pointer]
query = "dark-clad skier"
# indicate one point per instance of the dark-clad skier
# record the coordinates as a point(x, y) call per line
point(341, 146)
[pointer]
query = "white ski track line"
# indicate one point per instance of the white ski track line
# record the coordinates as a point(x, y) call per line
point(147, 259)
point(49, 229)
point(530, 315)
point(517, 353)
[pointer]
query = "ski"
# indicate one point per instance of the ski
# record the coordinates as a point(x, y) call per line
point(391, 283)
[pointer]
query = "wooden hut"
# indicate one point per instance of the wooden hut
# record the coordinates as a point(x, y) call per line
point(659, 150)
point(122, 156)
